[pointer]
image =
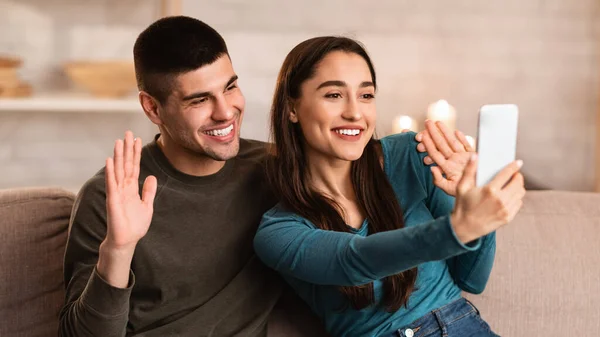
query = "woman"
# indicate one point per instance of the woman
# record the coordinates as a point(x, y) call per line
point(361, 232)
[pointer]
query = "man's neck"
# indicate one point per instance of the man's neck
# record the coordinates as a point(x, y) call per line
point(187, 161)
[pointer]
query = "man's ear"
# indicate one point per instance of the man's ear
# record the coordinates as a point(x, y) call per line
point(151, 107)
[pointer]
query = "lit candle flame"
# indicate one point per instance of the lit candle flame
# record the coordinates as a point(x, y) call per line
point(444, 112)
point(403, 122)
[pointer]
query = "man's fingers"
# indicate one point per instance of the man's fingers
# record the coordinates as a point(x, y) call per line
point(118, 161)
point(137, 158)
point(465, 142)
point(432, 150)
point(438, 138)
point(149, 190)
point(453, 142)
point(128, 154)
point(438, 178)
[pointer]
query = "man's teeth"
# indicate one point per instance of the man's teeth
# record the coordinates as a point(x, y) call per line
point(221, 132)
point(348, 132)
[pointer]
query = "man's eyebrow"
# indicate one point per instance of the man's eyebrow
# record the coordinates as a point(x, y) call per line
point(207, 93)
point(231, 80)
point(196, 95)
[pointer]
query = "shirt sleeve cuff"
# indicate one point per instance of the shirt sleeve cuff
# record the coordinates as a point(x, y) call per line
point(468, 247)
point(105, 299)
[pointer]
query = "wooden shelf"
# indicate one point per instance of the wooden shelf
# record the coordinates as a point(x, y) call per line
point(71, 104)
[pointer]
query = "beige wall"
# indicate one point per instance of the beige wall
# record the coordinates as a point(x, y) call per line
point(542, 55)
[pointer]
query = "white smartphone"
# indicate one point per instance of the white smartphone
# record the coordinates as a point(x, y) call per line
point(496, 140)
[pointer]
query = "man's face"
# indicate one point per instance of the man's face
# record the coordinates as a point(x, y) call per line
point(204, 112)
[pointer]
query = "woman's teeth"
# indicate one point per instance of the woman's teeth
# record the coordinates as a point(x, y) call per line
point(220, 133)
point(348, 132)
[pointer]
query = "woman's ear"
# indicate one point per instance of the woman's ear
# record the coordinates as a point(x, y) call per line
point(293, 116)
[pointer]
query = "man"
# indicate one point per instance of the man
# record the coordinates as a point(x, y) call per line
point(194, 273)
point(177, 261)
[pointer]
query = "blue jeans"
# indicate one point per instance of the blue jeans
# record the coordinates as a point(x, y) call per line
point(457, 319)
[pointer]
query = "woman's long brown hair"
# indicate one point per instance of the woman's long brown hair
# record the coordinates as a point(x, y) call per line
point(288, 174)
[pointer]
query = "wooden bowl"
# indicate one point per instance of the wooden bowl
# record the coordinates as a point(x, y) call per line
point(11, 84)
point(108, 79)
point(20, 90)
point(10, 62)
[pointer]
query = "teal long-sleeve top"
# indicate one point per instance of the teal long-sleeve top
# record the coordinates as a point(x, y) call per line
point(315, 262)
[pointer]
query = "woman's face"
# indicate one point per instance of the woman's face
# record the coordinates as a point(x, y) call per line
point(336, 109)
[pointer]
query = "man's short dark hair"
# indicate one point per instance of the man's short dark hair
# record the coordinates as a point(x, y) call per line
point(172, 46)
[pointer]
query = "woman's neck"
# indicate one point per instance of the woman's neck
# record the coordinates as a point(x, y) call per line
point(331, 177)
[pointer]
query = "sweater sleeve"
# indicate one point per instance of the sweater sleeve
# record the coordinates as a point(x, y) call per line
point(92, 306)
point(295, 247)
point(472, 269)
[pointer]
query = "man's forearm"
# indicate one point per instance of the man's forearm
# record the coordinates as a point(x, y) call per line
point(114, 264)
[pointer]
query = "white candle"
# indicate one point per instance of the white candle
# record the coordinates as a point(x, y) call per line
point(443, 112)
point(471, 141)
point(404, 122)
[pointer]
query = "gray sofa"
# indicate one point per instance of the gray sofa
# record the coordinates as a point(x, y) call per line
point(546, 280)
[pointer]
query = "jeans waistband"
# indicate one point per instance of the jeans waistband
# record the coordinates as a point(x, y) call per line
point(436, 319)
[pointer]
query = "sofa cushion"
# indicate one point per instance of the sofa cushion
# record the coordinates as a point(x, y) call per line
point(546, 277)
point(33, 233)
